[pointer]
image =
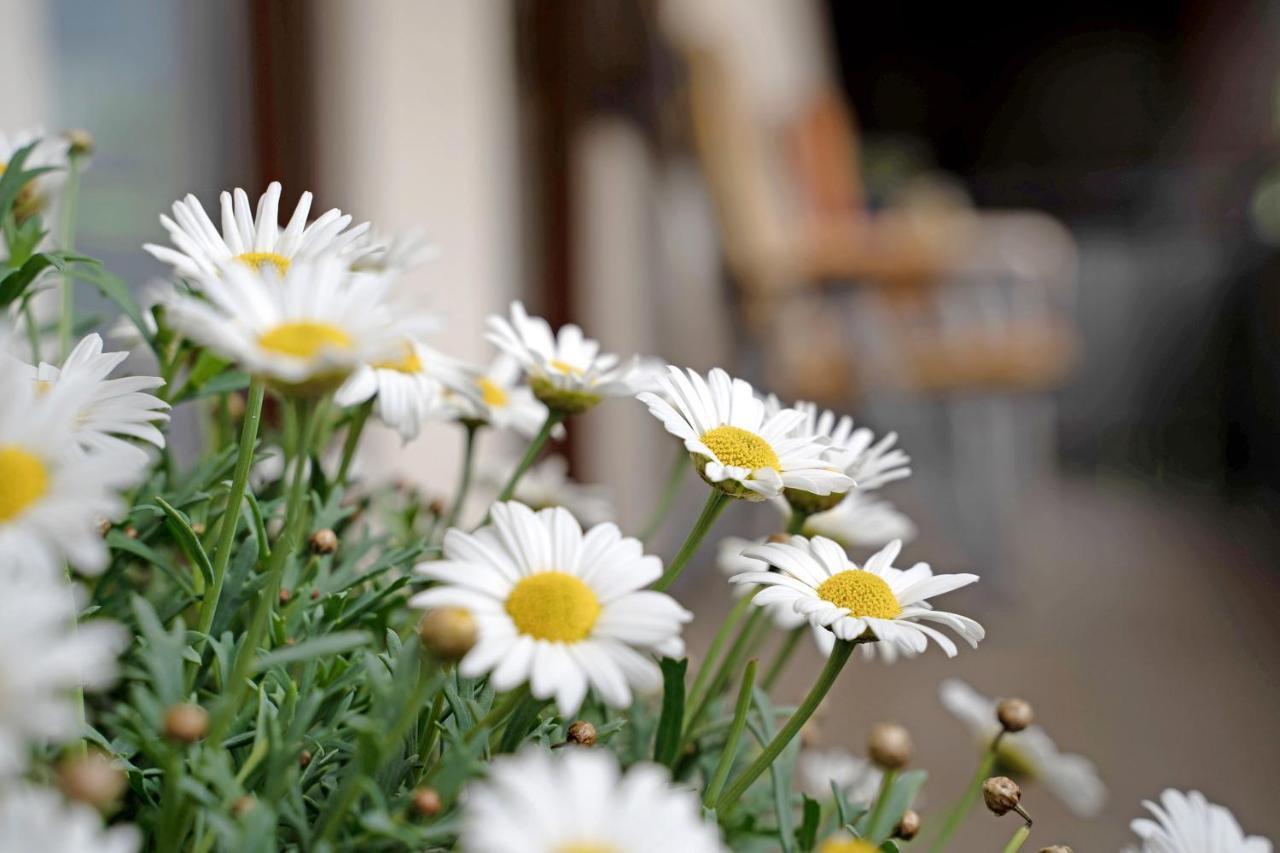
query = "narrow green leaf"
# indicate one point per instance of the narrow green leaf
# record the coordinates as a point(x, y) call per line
point(671, 720)
point(15, 284)
point(180, 526)
point(330, 644)
point(520, 723)
point(898, 799)
point(807, 834)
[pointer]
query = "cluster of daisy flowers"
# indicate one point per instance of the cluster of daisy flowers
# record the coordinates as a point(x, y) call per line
point(531, 595)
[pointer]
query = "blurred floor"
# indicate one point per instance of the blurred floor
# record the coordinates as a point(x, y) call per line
point(1118, 601)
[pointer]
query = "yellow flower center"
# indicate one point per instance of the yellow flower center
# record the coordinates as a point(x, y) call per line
point(23, 481)
point(586, 847)
point(258, 260)
point(862, 593)
point(836, 844)
point(304, 338)
point(408, 362)
point(43, 386)
point(740, 448)
point(492, 393)
point(553, 606)
point(565, 367)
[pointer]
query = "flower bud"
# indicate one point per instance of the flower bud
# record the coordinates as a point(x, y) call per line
point(93, 778)
point(908, 826)
point(1001, 794)
point(79, 142)
point(243, 805)
point(436, 508)
point(1014, 714)
point(323, 541)
point(198, 528)
point(890, 746)
point(284, 595)
point(581, 733)
point(304, 758)
point(427, 802)
point(448, 632)
point(186, 723)
point(104, 527)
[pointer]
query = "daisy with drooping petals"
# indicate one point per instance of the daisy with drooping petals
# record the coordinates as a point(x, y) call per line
point(254, 239)
point(556, 607)
point(1189, 823)
point(495, 397)
point(736, 447)
point(1030, 753)
point(859, 521)
point(115, 408)
point(33, 818)
point(44, 657)
point(857, 779)
point(874, 602)
point(306, 331)
point(405, 390)
point(566, 370)
point(578, 801)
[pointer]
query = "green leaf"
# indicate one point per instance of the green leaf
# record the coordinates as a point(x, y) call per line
point(520, 723)
point(15, 177)
point(671, 720)
point(15, 284)
point(330, 644)
point(117, 291)
point(180, 526)
point(901, 794)
point(807, 834)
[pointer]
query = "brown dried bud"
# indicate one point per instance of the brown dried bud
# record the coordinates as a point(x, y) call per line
point(779, 538)
point(243, 805)
point(131, 532)
point(315, 595)
point(448, 632)
point(908, 826)
point(186, 723)
point(94, 778)
point(890, 746)
point(1001, 794)
point(1014, 714)
point(427, 802)
point(284, 595)
point(79, 142)
point(436, 508)
point(304, 758)
point(581, 733)
point(104, 527)
point(1057, 848)
point(198, 528)
point(323, 541)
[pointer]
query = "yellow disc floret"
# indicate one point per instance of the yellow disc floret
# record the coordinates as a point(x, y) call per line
point(491, 392)
point(586, 847)
point(258, 260)
point(740, 448)
point(837, 844)
point(304, 338)
point(862, 593)
point(23, 481)
point(408, 362)
point(565, 367)
point(553, 606)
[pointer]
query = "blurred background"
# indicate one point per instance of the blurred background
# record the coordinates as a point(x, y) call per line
point(1041, 245)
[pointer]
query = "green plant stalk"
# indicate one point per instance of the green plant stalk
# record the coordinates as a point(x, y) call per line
point(70, 202)
point(231, 516)
point(964, 805)
point(1015, 843)
point(783, 657)
point(713, 651)
point(796, 522)
point(530, 454)
point(430, 732)
point(679, 465)
point(730, 750)
point(835, 663)
point(724, 672)
point(464, 478)
point(886, 783)
point(354, 430)
point(716, 502)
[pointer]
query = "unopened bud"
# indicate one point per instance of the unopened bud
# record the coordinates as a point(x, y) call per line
point(198, 528)
point(104, 527)
point(323, 541)
point(436, 508)
point(284, 595)
point(581, 733)
point(908, 826)
point(186, 723)
point(890, 746)
point(448, 632)
point(427, 802)
point(79, 142)
point(243, 805)
point(1014, 714)
point(304, 758)
point(131, 532)
point(315, 595)
point(1001, 794)
point(93, 778)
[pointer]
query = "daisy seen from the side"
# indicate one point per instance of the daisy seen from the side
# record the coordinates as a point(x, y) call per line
point(859, 521)
point(1189, 823)
point(494, 396)
point(405, 390)
point(35, 818)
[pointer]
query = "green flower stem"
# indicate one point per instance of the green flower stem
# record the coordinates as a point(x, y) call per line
point(730, 750)
point(725, 671)
point(231, 515)
point(783, 657)
point(464, 478)
point(1015, 843)
point(964, 805)
point(531, 453)
point(679, 467)
point(713, 651)
point(796, 522)
point(354, 429)
point(835, 663)
point(70, 202)
point(886, 784)
point(716, 502)
point(430, 732)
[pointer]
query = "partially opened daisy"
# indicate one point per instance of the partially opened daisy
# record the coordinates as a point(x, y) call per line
point(1030, 753)
point(557, 608)
point(872, 602)
point(736, 446)
point(495, 397)
point(578, 801)
point(115, 409)
point(44, 658)
point(306, 332)
point(53, 496)
point(1189, 823)
point(405, 390)
point(33, 818)
point(254, 239)
point(566, 370)
point(860, 521)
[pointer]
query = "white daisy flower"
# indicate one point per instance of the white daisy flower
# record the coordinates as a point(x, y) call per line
point(49, 152)
point(34, 818)
point(578, 801)
point(397, 254)
point(557, 608)
point(859, 521)
point(1029, 753)
point(255, 240)
point(547, 484)
point(52, 497)
point(307, 331)
point(736, 446)
point(1188, 823)
point(405, 390)
point(115, 408)
point(731, 561)
point(44, 657)
point(566, 370)
point(494, 396)
point(856, 778)
point(871, 602)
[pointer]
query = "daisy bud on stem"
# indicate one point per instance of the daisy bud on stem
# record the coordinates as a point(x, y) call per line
point(186, 723)
point(427, 802)
point(581, 733)
point(1014, 714)
point(448, 632)
point(323, 541)
point(908, 826)
point(890, 746)
point(1002, 795)
point(93, 778)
